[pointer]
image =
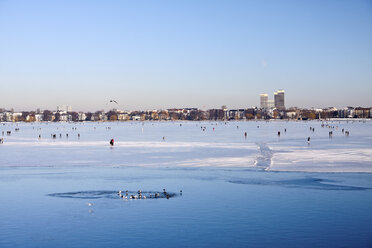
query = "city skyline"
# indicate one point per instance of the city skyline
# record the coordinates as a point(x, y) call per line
point(277, 102)
point(264, 102)
point(184, 54)
point(65, 114)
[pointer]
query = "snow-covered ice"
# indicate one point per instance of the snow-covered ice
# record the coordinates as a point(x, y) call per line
point(185, 144)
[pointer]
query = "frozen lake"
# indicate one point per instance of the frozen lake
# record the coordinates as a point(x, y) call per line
point(262, 190)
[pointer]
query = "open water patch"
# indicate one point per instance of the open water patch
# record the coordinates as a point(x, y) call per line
point(122, 194)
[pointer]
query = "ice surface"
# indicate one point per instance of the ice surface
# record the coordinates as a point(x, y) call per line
point(185, 144)
point(263, 191)
point(330, 160)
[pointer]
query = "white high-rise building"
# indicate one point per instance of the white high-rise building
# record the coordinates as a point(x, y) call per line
point(264, 101)
point(279, 99)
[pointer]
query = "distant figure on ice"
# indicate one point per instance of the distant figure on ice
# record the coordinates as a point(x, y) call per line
point(308, 140)
point(1, 140)
point(245, 134)
point(163, 138)
point(278, 133)
point(112, 142)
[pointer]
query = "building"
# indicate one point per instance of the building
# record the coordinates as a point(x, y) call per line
point(8, 116)
point(264, 98)
point(64, 108)
point(216, 114)
point(82, 116)
point(279, 99)
point(362, 112)
point(38, 117)
point(270, 104)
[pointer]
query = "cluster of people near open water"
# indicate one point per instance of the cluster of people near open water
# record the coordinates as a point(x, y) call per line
point(125, 195)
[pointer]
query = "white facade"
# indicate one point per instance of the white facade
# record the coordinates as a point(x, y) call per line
point(64, 108)
point(264, 98)
point(38, 117)
point(82, 116)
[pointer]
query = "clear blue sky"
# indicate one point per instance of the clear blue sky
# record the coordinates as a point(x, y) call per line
point(161, 54)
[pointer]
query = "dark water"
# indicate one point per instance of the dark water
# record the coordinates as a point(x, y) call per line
point(219, 207)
